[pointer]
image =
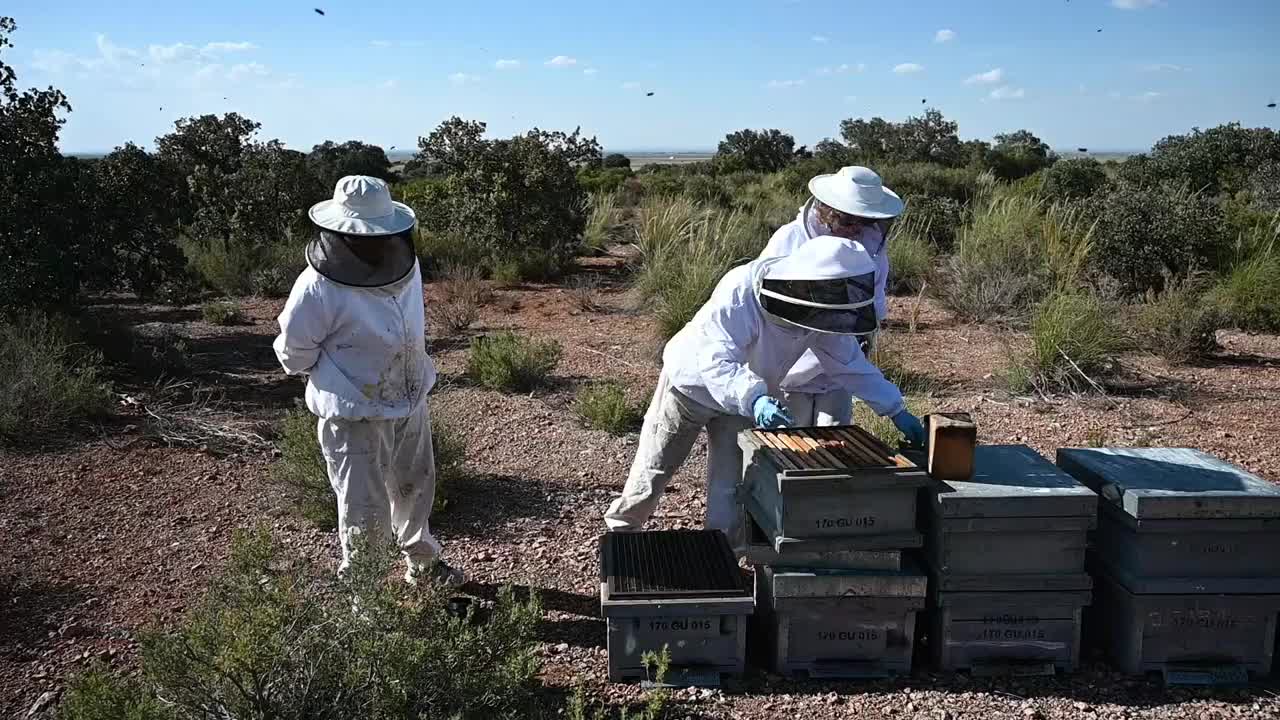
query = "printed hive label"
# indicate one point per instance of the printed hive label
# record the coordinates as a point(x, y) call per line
point(684, 626)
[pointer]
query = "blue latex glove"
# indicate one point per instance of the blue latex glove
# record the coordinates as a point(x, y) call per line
point(910, 426)
point(770, 413)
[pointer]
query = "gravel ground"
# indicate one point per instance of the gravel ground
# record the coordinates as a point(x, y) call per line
point(112, 533)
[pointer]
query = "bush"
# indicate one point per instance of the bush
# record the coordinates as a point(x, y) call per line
point(99, 695)
point(459, 297)
point(270, 640)
point(1074, 179)
point(617, 160)
point(506, 361)
point(47, 379)
point(222, 313)
point(1073, 335)
point(1179, 323)
point(911, 255)
point(604, 406)
point(602, 223)
point(595, 180)
point(910, 180)
point(1247, 295)
point(1017, 155)
point(942, 216)
point(240, 271)
point(302, 472)
point(755, 151)
point(1147, 234)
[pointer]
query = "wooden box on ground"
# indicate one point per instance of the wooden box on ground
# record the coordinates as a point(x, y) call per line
point(1180, 633)
point(846, 484)
point(1018, 524)
point(1178, 513)
point(952, 440)
point(679, 589)
point(992, 633)
point(838, 624)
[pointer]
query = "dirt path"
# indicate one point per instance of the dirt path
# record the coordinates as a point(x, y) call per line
point(104, 537)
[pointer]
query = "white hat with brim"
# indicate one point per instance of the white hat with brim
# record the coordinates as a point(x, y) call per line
point(362, 205)
point(823, 258)
point(857, 190)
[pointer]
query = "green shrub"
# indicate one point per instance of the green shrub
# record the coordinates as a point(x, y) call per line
point(222, 313)
point(47, 379)
point(602, 223)
point(653, 707)
point(270, 640)
point(512, 363)
point(458, 299)
point(910, 180)
point(1179, 323)
point(1074, 338)
point(1074, 179)
point(943, 217)
point(239, 271)
point(1247, 294)
point(100, 695)
point(604, 406)
point(911, 255)
point(1147, 234)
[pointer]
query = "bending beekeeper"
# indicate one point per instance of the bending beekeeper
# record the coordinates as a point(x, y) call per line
point(726, 367)
point(354, 324)
point(853, 204)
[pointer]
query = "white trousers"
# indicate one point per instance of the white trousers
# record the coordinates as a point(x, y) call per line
point(384, 476)
point(671, 426)
point(821, 409)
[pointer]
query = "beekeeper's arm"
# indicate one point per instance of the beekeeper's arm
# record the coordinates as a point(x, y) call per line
point(304, 324)
point(784, 240)
point(842, 360)
point(722, 360)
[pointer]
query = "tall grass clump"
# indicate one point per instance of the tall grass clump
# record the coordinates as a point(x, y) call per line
point(1248, 294)
point(512, 363)
point(302, 472)
point(47, 379)
point(883, 427)
point(604, 406)
point(461, 292)
point(271, 639)
point(911, 254)
point(663, 228)
point(1179, 323)
point(714, 242)
point(222, 313)
point(1075, 338)
point(602, 221)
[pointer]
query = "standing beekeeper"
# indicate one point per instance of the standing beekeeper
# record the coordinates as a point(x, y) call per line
point(853, 204)
point(725, 369)
point(354, 324)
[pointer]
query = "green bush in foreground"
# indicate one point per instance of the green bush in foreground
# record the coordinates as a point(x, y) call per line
point(222, 313)
point(604, 406)
point(271, 640)
point(47, 380)
point(1074, 339)
point(302, 472)
point(512, 363)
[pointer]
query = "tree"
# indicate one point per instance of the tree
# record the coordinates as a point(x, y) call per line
point(1216, 160)
point(42, 217)
point(617, 160)
point(1074, 179)
point(1018, 154)
point(330, 161)
point(515, 201)
point(209, 140)
point(930, 138)
point(755, 151)
point(870, 140)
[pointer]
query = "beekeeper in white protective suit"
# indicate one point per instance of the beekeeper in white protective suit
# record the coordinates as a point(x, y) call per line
point(726, 368)
point(853, 204)
point(354, 324)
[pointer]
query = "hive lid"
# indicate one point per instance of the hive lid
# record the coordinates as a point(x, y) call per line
point(670, 564)
point(1013, 481)
point(1150, 483)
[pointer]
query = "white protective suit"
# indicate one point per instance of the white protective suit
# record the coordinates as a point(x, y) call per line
point(714, 369)
point(810, 397)
point(364, 350)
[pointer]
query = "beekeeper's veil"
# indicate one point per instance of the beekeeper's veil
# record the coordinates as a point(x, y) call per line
point(827, 285)
point(364, 239)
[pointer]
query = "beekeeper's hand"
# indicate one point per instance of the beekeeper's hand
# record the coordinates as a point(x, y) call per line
point(909, 425)
point(771, 413)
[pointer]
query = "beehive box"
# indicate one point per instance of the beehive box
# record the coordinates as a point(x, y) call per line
point(815, 483)
point(1018, 524)
point(1020, 633)
point(1173, 520)
point(1211, 635)
point(679, 589)
point(863, 552)
point(838, 624)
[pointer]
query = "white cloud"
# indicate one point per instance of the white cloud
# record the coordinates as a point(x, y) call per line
point(1004, 92)
point(908, 68)
point(177, 52)
point(506, 65)
point(590, 71)
point(459, 78)
point(54, 61)
point(562, 61)
point(990, 77)
point(1148, 96)
point(631, 85)
point(225, 47)
point(112, 53)
point(244, 70)
point(779, 84)
point(821, 39)
point(1164, 67)
point(944, 36)
point(841, 69)
point(390, 84)
point(1135, 4)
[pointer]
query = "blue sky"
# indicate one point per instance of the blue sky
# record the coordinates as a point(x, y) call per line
point(387, 72)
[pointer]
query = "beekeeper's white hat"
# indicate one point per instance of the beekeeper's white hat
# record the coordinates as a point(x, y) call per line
point(362, 205)
point(856, 190)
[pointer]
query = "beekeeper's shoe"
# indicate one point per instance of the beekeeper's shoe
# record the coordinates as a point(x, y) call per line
point(439, 572)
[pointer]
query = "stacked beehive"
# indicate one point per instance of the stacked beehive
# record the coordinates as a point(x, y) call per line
point(1006, 550)
point(830, 512)
point(1184, 562)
